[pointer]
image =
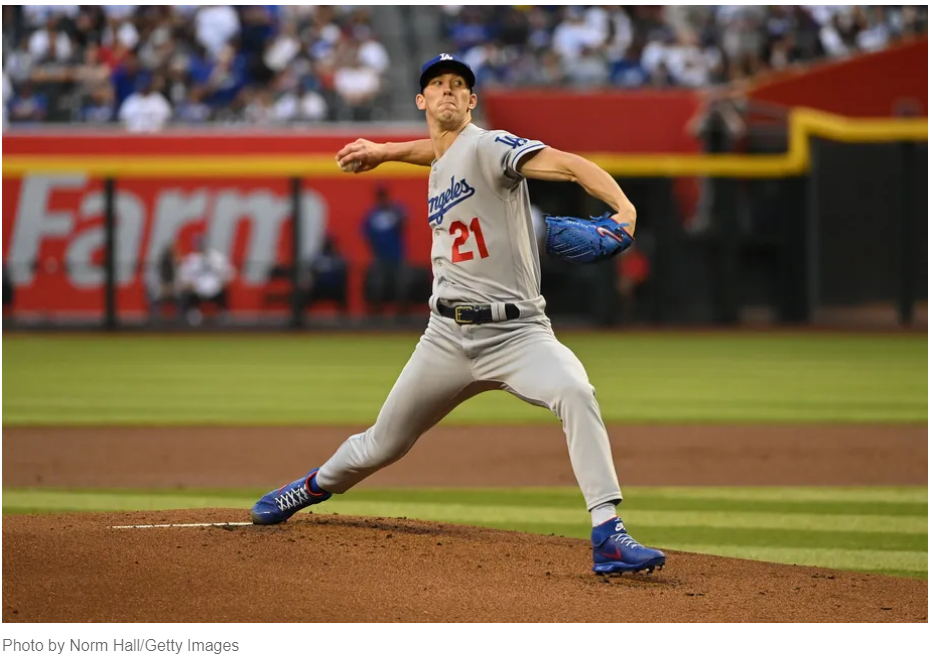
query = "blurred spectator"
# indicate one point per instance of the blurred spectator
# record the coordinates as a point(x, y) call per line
point(206, 56)
point(88, 25)
point(193, 109)
point(588, 69)
point(685, 45)
point(489, 63)
point(147, 110)
point(623, 35)
point(836, 38)
point(324, 62)
point(119, 34)
point(539, 34)
point(228, 78)
point(371, 53)
point(303, 104)
point(92, 71)
point(38, 15)
point(98, 108)
point(215, 27)
point(259, 109)
point(204, 277)
point(574, 35)
point(383, 228)
point(874, 32)
point(627, 71)
point(258, 27)
point(692, 65)
point(50, 44)
point(909, 21)
point(469, 30)
point(327, 278)
point(551, 72)
point(283, 49)
point(7, 95)
point(27, 106)
point(19, 63)
point(656, 51)
point(162, 284)
point(783, 52)
point(357, 86)
point(740, 28)
point(125, 78)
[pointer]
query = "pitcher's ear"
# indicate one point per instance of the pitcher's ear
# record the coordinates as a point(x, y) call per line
point(473, 102)
point(420, 102)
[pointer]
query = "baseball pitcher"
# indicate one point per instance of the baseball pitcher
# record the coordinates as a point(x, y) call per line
point(488, 328)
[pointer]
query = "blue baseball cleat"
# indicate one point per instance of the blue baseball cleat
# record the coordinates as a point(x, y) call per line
point(278, 505)
point(614, 551)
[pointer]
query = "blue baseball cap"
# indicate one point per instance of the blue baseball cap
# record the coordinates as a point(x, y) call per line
point(446, 61)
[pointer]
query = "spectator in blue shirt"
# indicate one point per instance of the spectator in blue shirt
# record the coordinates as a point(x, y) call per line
point(27, 106)
point(98, 108)
point(383, 228)
point(228, 77)
point(193, 110)
point(125, 78)
point(628, 72)
point(200, 66)
point(470, 31)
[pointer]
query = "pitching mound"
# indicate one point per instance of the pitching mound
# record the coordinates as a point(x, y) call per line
point(75, 567)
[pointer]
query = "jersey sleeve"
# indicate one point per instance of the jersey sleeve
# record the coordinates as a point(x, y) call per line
point(500, 153)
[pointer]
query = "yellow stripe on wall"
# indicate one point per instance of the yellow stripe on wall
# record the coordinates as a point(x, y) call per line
point(803, 125)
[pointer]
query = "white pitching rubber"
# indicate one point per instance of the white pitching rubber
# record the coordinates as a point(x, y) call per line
point(181, 525)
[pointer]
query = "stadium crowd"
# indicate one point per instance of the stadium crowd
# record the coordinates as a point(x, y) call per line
point(146, 66)
point(663, 46)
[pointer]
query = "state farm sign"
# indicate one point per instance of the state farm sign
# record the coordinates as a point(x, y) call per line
point(54, 237)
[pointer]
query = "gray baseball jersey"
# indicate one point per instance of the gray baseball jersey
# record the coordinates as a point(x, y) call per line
point(483, 252)
point(483, 240)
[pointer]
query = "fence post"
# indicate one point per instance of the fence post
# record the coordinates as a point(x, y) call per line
point(907, 257)
point(813, 230)
point(296, 295)
point(109, 253)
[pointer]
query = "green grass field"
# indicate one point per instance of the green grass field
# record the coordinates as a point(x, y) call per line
point(663, 378)
point(877, 530)
point(330, 379)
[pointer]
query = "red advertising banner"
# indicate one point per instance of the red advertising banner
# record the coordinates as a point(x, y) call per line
point(53, 238)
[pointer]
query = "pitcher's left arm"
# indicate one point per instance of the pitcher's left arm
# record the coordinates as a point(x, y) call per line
point(557, 166)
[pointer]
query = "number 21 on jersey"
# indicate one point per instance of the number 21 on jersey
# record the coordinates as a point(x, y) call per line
point(461, 234)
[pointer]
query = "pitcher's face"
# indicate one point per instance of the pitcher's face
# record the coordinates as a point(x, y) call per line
point(447, 99)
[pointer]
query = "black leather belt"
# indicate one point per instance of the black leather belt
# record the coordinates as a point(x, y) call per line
point(475, 314)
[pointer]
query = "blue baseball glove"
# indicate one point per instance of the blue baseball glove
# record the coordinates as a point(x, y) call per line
point(586, 240)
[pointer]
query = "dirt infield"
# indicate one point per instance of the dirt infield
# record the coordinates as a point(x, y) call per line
point(470, 456)
point(74, 567)
point(330, 568)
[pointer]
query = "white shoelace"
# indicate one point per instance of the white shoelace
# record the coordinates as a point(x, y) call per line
point(625, 539)
point(295, 497)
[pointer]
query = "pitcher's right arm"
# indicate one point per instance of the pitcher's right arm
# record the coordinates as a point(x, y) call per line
point(363, 155)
